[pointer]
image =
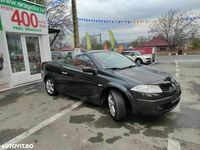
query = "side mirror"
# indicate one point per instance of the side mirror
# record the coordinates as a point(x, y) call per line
point(90, 70)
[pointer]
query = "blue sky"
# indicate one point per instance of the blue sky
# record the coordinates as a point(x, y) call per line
point(127, 10)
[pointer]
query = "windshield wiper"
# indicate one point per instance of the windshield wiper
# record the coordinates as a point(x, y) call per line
point(131, 66)
point(114, 68)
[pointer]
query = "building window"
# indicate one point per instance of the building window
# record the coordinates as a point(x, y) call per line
point(33, 48)
point(15, 52)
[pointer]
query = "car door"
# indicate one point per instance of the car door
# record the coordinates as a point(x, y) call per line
point(87, 86)
point(66, 75)
point(65, 80)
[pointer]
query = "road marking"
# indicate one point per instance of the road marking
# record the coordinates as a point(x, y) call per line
point(43, 124)
point(177, 108)
point(194, 60)
point(177, 69)
point(177, 75)
point(173, 145)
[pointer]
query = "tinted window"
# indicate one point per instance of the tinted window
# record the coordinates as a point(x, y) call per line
point(86, 61)
point(78, 62)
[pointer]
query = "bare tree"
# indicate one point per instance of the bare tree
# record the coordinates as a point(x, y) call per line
point(138, 41)
point(94, 41)
point(176, 26)
point(107, 42)
point(60, 17)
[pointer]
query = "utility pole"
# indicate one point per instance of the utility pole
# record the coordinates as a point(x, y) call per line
point(75, 25)
point(100, 38)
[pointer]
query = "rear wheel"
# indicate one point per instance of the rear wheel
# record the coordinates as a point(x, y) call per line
point(116, 105)
point(50, 87)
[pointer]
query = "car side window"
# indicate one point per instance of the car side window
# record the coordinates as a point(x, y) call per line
point(133, 54)
point(78, 62)
point(83, 61)
point(67, 60)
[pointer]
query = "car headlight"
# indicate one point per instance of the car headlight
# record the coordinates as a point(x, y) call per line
point(147, 89)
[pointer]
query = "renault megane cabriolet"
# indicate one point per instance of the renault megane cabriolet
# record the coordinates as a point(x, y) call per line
point(111, 79)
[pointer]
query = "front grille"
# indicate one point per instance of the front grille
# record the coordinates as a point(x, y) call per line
point(165, 87)
point(168, 87)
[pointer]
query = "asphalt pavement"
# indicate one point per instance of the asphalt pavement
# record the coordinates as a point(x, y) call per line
point(29, 116)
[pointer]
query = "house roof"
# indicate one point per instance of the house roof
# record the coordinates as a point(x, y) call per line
point(66, 49)
point(155, 42)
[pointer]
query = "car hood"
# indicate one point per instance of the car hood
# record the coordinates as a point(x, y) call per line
point(142, 75)
point(147, 56)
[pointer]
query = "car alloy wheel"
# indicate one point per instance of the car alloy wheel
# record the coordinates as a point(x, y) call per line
point(50, 86)
point(116, 105)
point(111, 105)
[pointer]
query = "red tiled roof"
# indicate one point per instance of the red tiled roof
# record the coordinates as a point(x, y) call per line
point(66, 49)
point(155, 42)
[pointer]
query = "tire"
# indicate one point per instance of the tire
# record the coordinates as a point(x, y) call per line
point(116, 105)
point(50, 87)
point(138, 61)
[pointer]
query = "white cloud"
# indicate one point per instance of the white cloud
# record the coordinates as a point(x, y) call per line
point(126, 10)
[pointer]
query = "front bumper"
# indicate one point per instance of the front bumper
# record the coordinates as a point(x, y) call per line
point(147, 61)
point(155, 106)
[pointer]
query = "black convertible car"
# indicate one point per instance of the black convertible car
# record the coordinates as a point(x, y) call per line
point(111, 79)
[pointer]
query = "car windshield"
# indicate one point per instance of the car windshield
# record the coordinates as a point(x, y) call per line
point(113, 60)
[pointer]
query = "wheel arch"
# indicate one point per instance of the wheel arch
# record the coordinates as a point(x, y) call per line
point(119, 88)
point(48, 75)
point(139, 59)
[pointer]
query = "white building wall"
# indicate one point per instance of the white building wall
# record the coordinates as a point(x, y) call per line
point(38, 27)
point(45, 48)
point(5, 73)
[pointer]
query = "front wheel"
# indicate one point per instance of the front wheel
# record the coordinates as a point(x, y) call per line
point(138, 61)
point(116, 105)
point(50, 87)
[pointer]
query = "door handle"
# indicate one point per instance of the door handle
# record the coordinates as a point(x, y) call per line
point(66, 73)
